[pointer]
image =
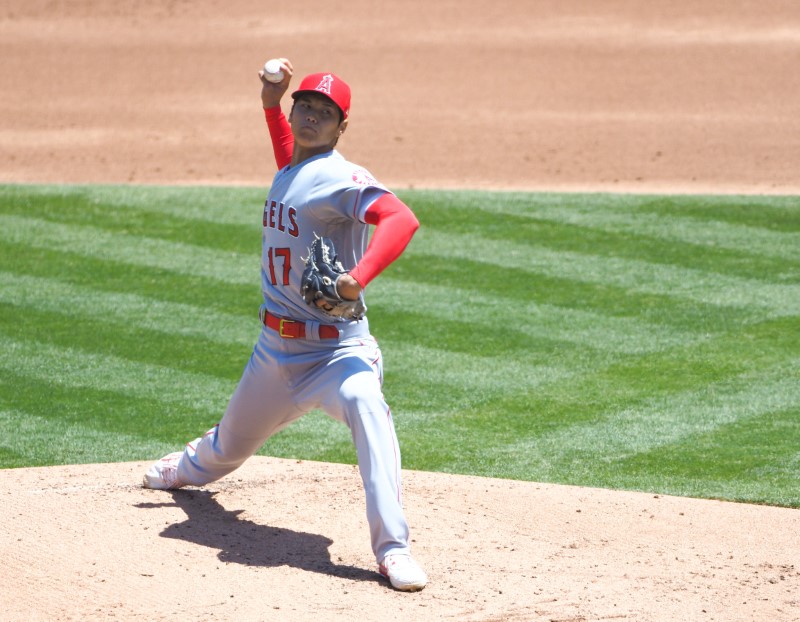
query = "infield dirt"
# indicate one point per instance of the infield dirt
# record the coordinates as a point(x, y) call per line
point(552, 95)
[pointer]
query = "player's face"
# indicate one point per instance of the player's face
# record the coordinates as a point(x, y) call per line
point(315, 122)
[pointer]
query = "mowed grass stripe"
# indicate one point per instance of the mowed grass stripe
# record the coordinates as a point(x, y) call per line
point(588, 449)
point(603, 389)
point(103, 410)
point(90, 241)
point(489, 313)
point(27, 439)
point(77, 369)
point(81, 210)
point(639, 447)
point(708, 235)
point(575, 238)
point(777, 213)
point(654, 219)
point(53, 295)
point(653, 308)
point(761, 464)
point(759, 211)
point(191, 354)
point(426, 377)
point(116, 277)
point(633, 275)
point(199, 204)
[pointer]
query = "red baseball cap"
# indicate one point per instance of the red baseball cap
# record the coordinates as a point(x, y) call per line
point(329, 85)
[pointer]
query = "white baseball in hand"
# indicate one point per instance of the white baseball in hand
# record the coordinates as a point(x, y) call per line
point(273, 71)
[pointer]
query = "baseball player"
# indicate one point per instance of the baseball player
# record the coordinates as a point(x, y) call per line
point(315, 349)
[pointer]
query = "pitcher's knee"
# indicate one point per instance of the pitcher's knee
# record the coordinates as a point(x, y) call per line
point(360, 392)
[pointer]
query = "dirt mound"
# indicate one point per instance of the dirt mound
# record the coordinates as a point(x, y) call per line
point(287, 540)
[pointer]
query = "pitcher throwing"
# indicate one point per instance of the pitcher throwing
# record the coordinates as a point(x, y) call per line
point(315, 349)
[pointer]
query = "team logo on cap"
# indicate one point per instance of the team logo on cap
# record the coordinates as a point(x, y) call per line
point(325, 84)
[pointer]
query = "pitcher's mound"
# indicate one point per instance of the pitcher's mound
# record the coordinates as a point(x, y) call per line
point(288, 540)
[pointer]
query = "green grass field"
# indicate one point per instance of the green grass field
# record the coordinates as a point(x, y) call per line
point(632, 342)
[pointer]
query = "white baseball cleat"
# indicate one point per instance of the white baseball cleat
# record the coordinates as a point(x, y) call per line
point(163, 475)
point(403, 573)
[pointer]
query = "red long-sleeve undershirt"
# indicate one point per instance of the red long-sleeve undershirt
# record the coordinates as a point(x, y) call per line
point(281, 134)
point(395, 223)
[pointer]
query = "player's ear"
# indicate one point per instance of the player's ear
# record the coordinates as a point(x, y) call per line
point(342, 127)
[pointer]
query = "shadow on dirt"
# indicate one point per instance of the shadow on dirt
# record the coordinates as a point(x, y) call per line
point(242, 541)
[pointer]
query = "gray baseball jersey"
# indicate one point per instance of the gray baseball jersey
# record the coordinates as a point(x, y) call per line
point(325, 196)
point(285, 378)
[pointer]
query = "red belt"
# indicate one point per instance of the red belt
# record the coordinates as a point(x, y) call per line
point(293, 329)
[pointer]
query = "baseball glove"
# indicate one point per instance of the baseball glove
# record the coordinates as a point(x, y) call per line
point(318, 284)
